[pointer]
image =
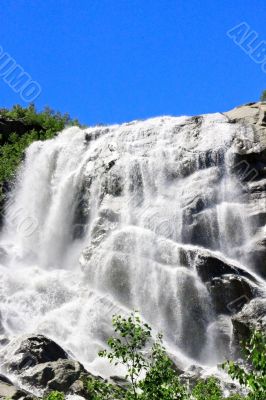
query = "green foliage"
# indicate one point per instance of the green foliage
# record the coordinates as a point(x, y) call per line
point(263, 96)
point(41, 126)
point(127, 348)
point(98, 390)
point(151, 373)
point(253, 374)
point(208, 389)
point(55, 395)
point(46, 120)
point(160, 380)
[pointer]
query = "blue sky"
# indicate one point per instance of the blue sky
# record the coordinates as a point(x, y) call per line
point(106, 61)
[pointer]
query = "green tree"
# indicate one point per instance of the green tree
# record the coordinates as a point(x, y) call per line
point(253, 374)
point(130, 347)
point(101, 390)
point(38, 126)
point(127, 348)
point(161, 380)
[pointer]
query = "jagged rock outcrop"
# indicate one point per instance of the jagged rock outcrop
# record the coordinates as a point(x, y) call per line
point(39, 363)
point(30, 350)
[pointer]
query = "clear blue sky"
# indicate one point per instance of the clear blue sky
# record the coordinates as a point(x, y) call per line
point(117, 60)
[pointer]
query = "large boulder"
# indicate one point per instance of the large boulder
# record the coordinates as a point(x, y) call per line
point(11, 392)
point(56, 375)
point(30, 350)
point(227, 291)
point(210, 265)
point(252, 316)
point(39, 363)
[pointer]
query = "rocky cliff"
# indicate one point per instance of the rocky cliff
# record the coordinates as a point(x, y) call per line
point(166, 215)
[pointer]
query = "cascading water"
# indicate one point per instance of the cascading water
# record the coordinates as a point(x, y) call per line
point(107, 219)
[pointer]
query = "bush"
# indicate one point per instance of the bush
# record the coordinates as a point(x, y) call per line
point(253, 374)
point(99, 389)
point(208, 389)
point(160, 381)
point(41, 126)
point(55, 395)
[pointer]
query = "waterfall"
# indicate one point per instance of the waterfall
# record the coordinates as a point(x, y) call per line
point(108, 219)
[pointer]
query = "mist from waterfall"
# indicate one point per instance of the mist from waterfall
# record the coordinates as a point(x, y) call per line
point(104, 220)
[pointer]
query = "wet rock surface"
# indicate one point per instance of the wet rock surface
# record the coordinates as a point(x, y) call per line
point(57, 375)
point(249, 165)
point(39, 364)
point(30, 350)
point(9, 391)
point(171, 213)
point(252, 316)
point(226, 289)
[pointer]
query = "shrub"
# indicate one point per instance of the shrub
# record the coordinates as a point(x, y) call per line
point(208, 389)
point(55, 395)
point(101, 390)
point(161, 381)
point(127, 348)
point(253, 374)
point(41, 126)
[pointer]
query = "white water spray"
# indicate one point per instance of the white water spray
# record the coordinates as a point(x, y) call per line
point(103, 220)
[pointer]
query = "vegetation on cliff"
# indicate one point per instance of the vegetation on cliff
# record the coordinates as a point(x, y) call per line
point(19, 127)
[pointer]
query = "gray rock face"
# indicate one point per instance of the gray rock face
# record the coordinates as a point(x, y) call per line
point(4, 379)
point(31, 350)
point(226, 289)
point(249, 164)
point(210, 266)
point(252, 316)
point(38, 363)
point(9, 391)
point(254, 115)
point(207, 220)
point(57, 375)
